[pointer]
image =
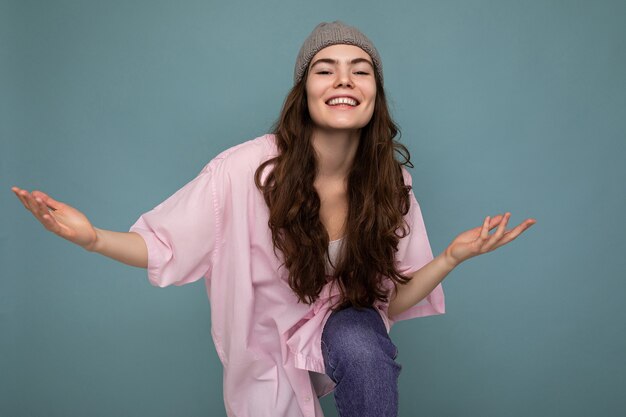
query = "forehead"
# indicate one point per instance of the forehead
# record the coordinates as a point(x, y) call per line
point(341, 52)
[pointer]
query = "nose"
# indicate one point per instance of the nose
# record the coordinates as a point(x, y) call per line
point(344, 78)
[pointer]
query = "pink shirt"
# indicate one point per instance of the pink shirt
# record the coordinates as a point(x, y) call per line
point(215, 228)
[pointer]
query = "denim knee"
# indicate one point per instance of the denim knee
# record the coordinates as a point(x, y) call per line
point(360, 358)
point(356, 337)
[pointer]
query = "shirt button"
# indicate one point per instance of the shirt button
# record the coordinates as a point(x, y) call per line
point(307, 398)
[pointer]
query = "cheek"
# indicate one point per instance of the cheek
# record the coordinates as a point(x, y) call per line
point(310, 96)
point(372, 92)
point(369, 90)
point(311, 106)
point(372, 103)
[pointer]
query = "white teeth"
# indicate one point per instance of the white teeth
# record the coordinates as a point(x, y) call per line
point(342, 100)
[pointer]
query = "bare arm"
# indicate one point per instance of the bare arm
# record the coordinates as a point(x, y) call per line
point(125, 247)
point(422, 283)
point(69, 223)
point(466, 245)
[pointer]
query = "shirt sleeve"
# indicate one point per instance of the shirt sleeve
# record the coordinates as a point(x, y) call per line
point(180, 233)
point(413, 253)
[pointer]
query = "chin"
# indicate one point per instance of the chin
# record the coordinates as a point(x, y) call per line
point(341, 126)
point(336, 129)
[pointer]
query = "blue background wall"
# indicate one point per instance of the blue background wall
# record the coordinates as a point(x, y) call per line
point(505, 106)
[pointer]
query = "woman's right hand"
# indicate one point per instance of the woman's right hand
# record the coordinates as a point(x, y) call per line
point(59, 218)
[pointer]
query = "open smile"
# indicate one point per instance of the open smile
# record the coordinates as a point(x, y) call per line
point(342, 102)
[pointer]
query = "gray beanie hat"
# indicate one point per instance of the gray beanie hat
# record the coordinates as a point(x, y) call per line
point(327, 34)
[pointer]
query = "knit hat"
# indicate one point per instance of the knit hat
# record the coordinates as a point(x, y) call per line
point(327, 34)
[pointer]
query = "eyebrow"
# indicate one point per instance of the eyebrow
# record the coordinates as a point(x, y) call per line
point(335, 62)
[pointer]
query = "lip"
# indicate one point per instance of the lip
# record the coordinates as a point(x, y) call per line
point(343, 95)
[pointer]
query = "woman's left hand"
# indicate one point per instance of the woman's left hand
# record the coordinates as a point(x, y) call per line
point(478, 240)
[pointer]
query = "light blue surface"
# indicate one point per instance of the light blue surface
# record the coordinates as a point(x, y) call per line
point(505, 105)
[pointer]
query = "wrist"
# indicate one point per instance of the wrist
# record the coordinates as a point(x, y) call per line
point(449, 259)
point(96, 245)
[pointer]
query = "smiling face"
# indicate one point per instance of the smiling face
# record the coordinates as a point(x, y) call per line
point(341, 88)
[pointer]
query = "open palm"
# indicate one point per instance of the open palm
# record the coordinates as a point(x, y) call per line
point(477, 241)
point(59, 218)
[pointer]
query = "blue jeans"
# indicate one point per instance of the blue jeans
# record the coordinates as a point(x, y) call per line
point(360, 358)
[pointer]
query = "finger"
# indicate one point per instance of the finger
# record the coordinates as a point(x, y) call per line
point(36, 207)
point(495, 220)
point(42, 208)
point(484, 231)
point(49, 201)
point(46, 218)
point(22, 196)
point(50, 223)
point(30, 201)
point(515, 232)
point(18, 192)
point(498, 234)
point(38, 210)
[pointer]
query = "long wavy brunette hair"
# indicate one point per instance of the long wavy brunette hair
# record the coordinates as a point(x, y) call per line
point(377, 197)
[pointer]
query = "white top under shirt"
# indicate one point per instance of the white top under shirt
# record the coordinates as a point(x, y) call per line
point(333, 252)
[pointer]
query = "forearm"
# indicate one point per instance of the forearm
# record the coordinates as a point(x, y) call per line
point(423, 282)
point(125, 247)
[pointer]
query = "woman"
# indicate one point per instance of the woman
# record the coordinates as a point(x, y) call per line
point(310, 241)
